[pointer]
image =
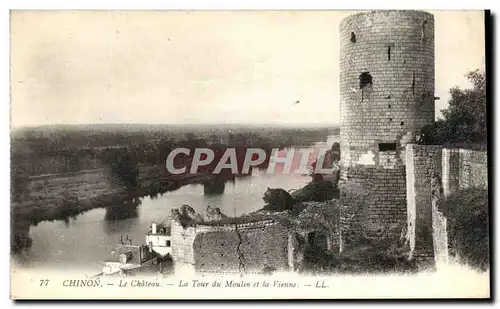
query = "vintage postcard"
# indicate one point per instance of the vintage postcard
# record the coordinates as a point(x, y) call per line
point(249, 154)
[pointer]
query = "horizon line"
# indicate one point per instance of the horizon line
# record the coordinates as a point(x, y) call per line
point(322, 124)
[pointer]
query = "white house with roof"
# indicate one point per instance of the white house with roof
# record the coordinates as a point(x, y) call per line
point(159, 239)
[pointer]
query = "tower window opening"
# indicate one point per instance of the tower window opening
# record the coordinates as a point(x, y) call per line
point(413, 83)
point(402, 123)
point(387, 147)
point(424, 28)
point(389, 49)
point(353, 37)
point(390, 119)
point(389, 105)
point(365, 79)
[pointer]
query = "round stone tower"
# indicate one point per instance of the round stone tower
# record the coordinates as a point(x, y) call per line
point(386, 85)
point(386, 97)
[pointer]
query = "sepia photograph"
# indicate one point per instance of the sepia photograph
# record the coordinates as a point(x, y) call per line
point(285, 154)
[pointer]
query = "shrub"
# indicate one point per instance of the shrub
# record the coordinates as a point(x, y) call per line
point(323, 216)
point(369, 256)
point(467, 224)
point(278, 200)
point(319, 191)
point(186, 216)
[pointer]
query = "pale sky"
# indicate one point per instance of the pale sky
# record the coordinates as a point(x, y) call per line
point(200, 67)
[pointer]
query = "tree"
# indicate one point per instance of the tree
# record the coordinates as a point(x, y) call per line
point(19, 175)
point(464, 120)
point(122, 166)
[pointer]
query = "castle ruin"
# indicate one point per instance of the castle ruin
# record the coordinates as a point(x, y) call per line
point(386, 97)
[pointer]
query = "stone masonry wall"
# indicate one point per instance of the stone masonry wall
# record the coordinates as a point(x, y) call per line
point(422, 164)
point(182, 243)
point(396, 48)
point(451, 170)
point(473, 169)
point(231, 248)
point(464, 168)
point(432, 174)
point(385, 216)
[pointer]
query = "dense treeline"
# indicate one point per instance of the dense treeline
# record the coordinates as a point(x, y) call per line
point(54, 150)
point(50, 140)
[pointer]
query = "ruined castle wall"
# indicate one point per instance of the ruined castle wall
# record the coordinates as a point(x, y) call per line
point(464, 168)
point(396, 48)
point(473, 169)
point(423, 162)
point(233, 248)
point(456, 169)
point(385, 214)
point(451, 171)
point(182, 244)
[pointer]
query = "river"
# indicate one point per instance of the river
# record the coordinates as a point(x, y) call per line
point(81, 243)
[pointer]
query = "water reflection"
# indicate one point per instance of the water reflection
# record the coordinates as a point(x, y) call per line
point(67, 220)
point(124, 211)
point(214, 187)
point(118, 219)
